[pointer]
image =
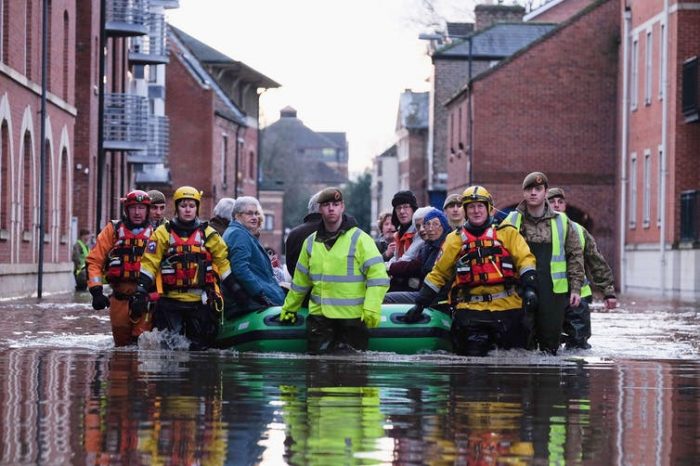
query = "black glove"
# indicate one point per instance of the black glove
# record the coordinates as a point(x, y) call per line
point(262, 299)
point(138, 302)
point(530, 291)
point(425, 297)
point(99, 300)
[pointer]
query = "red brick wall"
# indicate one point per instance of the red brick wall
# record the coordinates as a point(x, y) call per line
point(553, 109)
point(561, 12)
point(273, 204)
point(190, 109)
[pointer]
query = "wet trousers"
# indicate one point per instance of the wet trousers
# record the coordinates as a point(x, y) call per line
point(125, 331)
point(549, 318)
point(475, 333)
point(195, 320)
point(326, 335)
point(577, 325)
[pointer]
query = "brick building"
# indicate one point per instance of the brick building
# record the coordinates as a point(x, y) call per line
point(385, 183)
point(412, 143)
point(213, 109)
point(658, 186)
point(525, 117)
point(21, 145)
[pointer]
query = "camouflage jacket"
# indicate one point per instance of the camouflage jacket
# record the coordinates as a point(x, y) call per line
point(539, 230)
point(599, 272)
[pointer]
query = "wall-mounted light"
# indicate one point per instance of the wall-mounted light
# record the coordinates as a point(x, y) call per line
point(78, 166)
point(86, 171)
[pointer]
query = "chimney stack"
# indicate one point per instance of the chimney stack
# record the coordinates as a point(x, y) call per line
point(488, 14)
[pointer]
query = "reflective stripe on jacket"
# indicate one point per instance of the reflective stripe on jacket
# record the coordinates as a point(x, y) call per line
point(343, 280)
point(559, 225)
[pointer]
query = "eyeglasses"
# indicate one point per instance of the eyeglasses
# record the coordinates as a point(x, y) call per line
point(432, 224)
point(250, 212)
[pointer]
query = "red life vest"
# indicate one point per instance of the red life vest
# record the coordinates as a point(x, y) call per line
point(483, 260)
point(187, 263)
point(124, 259)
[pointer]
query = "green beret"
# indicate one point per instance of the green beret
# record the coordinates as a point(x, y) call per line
point(452, 199)
point(330, 195)
point(535, 179)
point(555, 192)
point(156, 196)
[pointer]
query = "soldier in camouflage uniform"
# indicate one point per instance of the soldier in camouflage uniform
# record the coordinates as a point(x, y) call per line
point(557, 249)
point(577, 321)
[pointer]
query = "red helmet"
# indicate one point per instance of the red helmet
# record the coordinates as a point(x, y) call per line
point(136, 197)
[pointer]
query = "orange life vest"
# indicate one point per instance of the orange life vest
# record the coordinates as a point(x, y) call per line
point(187, 263)
point(124, 259)
point(483, 260)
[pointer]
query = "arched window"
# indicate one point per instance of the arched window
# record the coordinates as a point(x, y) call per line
point(66, 54)
point(63, 199)
point(5, 201)
point(28, 32)
point(28, 219)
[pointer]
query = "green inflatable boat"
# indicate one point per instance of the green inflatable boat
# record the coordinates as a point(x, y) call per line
point(262, 332)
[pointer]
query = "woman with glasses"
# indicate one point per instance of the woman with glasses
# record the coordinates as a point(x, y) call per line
point(250, 263)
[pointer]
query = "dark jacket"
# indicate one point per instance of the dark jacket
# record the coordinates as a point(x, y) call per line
point(219, 224)
point(295, 240)
point(251, 266)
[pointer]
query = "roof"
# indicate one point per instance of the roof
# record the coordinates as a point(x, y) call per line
point(230, 110)
point(498, 41)
point(292, 129)
point(212, 57)
point(338, 138)
point(413, 110)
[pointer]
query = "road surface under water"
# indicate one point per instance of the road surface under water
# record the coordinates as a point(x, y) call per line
point(69, 397)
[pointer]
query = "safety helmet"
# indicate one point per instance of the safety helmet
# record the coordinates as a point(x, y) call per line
point(187, 192)
point(136, 197)
point(477, 194)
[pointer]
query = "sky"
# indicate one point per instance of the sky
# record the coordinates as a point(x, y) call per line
point(342, 64)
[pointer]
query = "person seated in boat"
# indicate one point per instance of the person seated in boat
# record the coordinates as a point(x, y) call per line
point(342, 269)
point(223, 212)
point(250, 264)
point(435, 227)
point(404, 205)
point(116, 258)
point(187, 260)
point(385, 236)
point(405, 272)
point(297, 235)
point(488, 264)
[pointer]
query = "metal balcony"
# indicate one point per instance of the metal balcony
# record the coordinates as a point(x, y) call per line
point(125, 122)
point(126, 17)
point(168, 4)
point(158, 142)
point(151, 48)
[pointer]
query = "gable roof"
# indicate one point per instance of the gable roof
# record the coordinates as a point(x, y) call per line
point(292, 129)
point(498, 41)
point(212, 57)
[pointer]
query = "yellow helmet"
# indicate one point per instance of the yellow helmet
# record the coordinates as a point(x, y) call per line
point(477, 193)
point(187, 192)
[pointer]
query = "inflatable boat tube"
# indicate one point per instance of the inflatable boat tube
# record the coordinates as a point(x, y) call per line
point(262, 332)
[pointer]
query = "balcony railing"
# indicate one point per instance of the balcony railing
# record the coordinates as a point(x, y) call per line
point(158, 142)
point(151, 48)
point(166, 3)
point(125, 122)
point(126, 17)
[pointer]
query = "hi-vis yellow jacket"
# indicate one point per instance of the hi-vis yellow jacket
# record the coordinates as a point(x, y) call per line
point(343, 281)
point(505, 297)
point(157, 248)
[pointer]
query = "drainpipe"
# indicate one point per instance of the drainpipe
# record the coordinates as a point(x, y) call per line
point(624, 111)
point(470, 115)
point(258, 158)
point(663, 169)
point(100, 120)
point(42, 147)
point(239, 126)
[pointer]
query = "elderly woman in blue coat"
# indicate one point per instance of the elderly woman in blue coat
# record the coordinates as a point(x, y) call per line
point(250, 264)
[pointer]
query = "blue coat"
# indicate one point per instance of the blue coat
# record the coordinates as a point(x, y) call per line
point(251, 266)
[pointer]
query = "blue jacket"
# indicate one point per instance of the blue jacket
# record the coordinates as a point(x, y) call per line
point(251, 266)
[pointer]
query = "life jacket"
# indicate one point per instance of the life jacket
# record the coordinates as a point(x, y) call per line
point(483, 261)
point(187, 263)
point(124, 259)
point(403, 242)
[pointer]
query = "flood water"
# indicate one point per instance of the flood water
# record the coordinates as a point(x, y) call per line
point(68, 397)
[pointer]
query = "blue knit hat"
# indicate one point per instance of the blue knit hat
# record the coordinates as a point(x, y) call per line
point(438, 214)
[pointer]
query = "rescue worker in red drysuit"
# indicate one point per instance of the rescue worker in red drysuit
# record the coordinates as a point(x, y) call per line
point(116, 258)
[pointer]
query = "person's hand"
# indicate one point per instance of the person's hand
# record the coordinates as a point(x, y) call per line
point(390, 250)
point(574, 299)
point(262, 299)
point(138, 303)
point(99, 300)
point(610, 302)
point(288, 317)
point(414, 314)
point(530, 300)
point(370, 318)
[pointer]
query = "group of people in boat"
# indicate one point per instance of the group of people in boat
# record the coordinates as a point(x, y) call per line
point(523, 281)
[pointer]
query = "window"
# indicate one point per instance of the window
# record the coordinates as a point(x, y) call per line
point(634, 83)
point(4, 176)
point(28, 39)
point(251, 165)
point(658, 187)
point(269, 222)
point(27, 187)
point(224, 160)
point(647, 70)
point(690, 90)
point(47, 191)
point(49, 42)
point(3, 22)
point(66, 54)
point(662, 58)
point(633, 192)
point(62, 199)
point(646, 196)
